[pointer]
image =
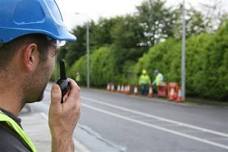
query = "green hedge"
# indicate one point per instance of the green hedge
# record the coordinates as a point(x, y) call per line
point(79, 66)
point(102, 67)
point(165, 57)
point(206, 63)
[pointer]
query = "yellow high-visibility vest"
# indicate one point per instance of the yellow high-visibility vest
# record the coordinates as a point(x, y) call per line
point(158, 80)
point(18, 129)
point(144, 79)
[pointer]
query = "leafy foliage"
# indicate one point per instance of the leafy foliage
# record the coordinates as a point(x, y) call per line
point(157, 21)
point(206, 64)
point(122, 46)
point(103, 68)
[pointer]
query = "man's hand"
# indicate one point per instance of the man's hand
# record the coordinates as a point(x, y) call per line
point(64, 117)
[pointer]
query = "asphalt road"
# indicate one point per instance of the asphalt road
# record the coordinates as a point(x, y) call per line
point(117, 122)
point(142, 124)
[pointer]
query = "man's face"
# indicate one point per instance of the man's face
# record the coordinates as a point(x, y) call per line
point(41, 75)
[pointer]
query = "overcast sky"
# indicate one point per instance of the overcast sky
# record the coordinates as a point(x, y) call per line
point(76, 12)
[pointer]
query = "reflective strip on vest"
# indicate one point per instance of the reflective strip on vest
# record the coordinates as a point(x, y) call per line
point(18, 129)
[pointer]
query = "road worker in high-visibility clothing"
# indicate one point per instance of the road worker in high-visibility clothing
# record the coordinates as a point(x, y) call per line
point(159, 80)
point(144, 82)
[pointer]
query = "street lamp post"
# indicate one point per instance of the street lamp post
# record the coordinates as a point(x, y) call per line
point(87, 52)
point(183, 53)
point(88, 55)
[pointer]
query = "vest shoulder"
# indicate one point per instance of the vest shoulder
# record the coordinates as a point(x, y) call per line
point(9, 141)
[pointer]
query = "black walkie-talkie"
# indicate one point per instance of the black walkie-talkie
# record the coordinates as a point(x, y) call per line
point(63, 82)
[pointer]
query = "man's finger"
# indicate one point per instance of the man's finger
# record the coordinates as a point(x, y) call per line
point(74, 88)
point(74, 92)
point(56, 95)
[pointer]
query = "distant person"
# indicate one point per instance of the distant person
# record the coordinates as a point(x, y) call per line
point(144, 82)
point(77, 77)
point(158, 81)
point(30, 31)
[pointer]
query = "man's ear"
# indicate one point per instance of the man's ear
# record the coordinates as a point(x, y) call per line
point(31, 57)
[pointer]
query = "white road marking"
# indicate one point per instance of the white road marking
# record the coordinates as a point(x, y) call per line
point(157, 127)
point(159, 118)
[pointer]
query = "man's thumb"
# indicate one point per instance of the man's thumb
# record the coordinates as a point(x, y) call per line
point(56, 94)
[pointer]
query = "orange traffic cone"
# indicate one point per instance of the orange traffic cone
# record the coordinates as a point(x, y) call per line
point(122, 89)
point(179, 97)
point(172, 94)
point(118, 88)
point(127, 89)
point(136, 90)
point(108, 87)
point(150, 94)
point(113, 88)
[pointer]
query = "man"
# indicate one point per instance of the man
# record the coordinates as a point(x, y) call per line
point(158, 80)
point(29, 35)
point(144, 82)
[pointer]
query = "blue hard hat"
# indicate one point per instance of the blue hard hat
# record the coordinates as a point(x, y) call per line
point(22, 17)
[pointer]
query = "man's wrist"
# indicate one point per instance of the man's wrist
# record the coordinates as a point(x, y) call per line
point(62, 143)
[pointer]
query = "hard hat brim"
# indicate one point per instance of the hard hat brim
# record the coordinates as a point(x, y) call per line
point(10, 34)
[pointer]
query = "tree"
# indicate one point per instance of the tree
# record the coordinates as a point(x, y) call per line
point(101, 35)
point(157, 21)
point(213, 14)
point(195, 23)
point(74, 50)
point(127, 32)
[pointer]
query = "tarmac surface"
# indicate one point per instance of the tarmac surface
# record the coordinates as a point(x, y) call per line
point(112, 122)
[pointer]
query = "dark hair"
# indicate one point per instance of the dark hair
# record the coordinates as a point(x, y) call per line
point(8, 50)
